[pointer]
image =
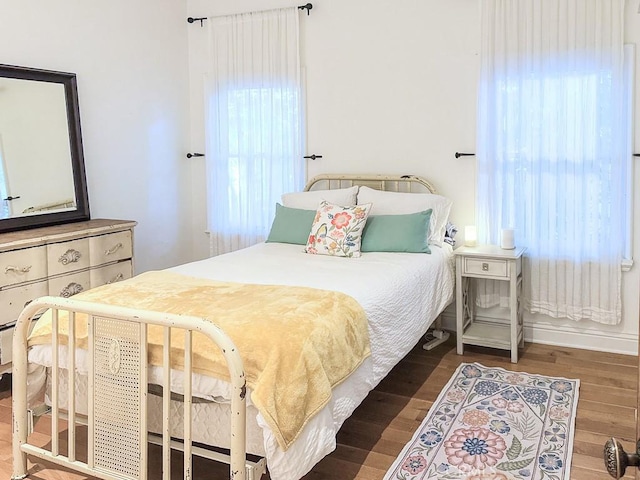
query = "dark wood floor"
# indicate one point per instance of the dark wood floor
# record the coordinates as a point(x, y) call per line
point(370, 440)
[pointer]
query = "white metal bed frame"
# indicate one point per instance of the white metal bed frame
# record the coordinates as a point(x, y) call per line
point(391, 183)
point(117, 405)
point(117, 432)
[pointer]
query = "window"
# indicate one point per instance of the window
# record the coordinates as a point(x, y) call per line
point(253, 125)
point(568, 188)
point(260, 134)
point(554, 149)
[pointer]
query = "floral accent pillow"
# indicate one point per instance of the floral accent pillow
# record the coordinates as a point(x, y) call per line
point(337, 230)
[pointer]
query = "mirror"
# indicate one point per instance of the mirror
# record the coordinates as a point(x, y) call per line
point(42, 177)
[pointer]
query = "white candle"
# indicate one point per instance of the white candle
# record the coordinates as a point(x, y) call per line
point(470, 236)
point(507, 239)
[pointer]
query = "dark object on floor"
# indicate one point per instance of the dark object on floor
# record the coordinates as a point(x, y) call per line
point(5, 382)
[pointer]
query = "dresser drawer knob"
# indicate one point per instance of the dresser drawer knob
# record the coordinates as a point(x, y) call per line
point(485, 267)
point(70, 256)
point(113, 249)
point(71, 290)
point(13, 269)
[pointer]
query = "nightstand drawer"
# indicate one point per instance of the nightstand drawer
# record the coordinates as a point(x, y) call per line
point(490, 268)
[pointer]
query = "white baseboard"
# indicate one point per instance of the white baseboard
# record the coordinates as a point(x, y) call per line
point(563, 336)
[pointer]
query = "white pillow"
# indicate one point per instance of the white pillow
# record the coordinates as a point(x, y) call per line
point(399, 203)
point(310, 200)
point(337, 230)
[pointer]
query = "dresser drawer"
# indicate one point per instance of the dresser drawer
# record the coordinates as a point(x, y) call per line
point(486, 267)
point(14, 299)
point(110, 247)
point(66, 257)
point(111, 273)
point(68, 285)
point(24, 265)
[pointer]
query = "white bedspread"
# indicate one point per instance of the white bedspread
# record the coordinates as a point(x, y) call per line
point(402, 293)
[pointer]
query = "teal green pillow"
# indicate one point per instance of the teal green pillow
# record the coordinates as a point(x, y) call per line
point(291, 225)
point(397, 233)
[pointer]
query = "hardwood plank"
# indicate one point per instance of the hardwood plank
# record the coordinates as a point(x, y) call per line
point(607, 408)
point(575, 355)
point(610, 396)
point(587, 463)
point(375, 434)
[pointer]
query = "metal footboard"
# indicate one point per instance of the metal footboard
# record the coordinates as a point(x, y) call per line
point(117, 391)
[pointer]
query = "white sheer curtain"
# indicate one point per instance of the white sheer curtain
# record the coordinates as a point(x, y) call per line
point(253, 123)
point(553, 149)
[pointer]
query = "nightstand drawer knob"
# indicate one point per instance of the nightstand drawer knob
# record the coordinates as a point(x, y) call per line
point(485, 267)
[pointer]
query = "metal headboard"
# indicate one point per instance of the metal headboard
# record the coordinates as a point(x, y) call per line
point(391, 183)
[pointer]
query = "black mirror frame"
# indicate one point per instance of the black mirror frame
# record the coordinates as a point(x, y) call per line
point(68, 80)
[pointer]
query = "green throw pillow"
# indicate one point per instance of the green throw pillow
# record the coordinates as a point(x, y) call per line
point(291, 225)
point(397, 233)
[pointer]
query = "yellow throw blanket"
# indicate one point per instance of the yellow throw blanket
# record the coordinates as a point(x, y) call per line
point(296, 343)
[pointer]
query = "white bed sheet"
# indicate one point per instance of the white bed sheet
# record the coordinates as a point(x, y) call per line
point(402, 293)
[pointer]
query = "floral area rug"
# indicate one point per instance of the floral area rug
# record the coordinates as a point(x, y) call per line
point(493, 424)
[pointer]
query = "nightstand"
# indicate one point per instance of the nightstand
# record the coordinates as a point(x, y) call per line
point(492, 263)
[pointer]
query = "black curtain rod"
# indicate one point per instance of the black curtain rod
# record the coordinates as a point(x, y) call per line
point(306, 7)
point(636, 154)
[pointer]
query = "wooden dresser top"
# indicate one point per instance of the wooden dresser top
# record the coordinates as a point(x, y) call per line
point(58, 233)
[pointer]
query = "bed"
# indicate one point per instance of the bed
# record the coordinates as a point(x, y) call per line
point(401, 294)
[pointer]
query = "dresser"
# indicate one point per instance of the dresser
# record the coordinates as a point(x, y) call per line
point(61, 261)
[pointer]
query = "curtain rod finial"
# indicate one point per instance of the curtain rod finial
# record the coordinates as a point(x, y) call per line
point(306, 7)
point(201, 19)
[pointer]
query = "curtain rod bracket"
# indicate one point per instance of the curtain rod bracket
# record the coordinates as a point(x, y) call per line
point(189, 155)
point(201, 19)
point(306, 7)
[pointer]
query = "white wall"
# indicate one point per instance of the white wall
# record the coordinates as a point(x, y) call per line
point(391, 88)
point(131, 63)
